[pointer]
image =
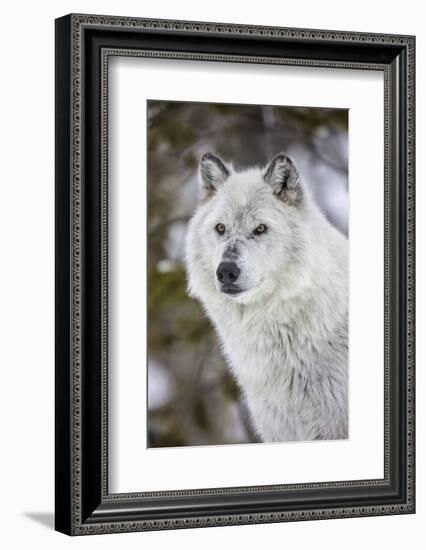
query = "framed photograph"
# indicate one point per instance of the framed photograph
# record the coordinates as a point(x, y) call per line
point(234, 274)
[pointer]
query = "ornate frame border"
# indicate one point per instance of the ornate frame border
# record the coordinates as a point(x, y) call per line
point(71, 512)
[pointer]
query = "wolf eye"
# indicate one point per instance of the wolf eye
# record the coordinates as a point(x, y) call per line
point(220, 228)
point(261, 228)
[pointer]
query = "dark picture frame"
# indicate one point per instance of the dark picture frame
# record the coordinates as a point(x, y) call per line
point(83, 45)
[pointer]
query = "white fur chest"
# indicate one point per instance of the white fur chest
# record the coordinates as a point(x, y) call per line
point(264, 361)
point(286, 368)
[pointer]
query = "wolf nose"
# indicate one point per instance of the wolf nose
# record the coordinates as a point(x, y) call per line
point(227, 273)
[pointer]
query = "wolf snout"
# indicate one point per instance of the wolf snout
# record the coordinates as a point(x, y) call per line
point(227, 273)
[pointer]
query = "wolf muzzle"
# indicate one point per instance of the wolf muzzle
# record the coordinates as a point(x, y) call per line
point(227, 274)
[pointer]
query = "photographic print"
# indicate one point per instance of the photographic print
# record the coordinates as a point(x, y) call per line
point(247, 273)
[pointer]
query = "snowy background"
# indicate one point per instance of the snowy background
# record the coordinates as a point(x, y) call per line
point(192, 399)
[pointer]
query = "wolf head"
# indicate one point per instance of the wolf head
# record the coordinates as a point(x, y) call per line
point(248, 236)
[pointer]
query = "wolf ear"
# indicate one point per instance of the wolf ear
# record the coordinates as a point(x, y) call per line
point(213, 173)
point(282, 176)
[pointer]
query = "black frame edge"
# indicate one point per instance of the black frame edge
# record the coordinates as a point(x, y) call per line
point(99, 515)
point(62, 275)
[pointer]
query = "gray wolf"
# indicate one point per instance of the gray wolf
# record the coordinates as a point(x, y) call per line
point(271, 272)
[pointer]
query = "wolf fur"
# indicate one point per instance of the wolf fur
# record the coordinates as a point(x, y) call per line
point(281, 310)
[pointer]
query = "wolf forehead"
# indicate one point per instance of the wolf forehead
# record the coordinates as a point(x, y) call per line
point(241, 207)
